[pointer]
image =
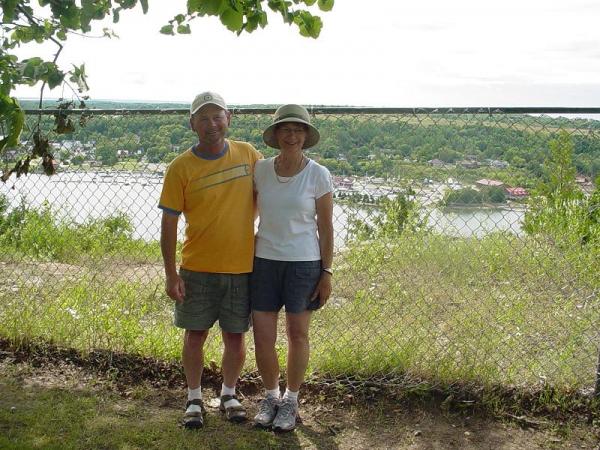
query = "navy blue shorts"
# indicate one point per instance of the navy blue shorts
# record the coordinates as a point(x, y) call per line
point(274, 284)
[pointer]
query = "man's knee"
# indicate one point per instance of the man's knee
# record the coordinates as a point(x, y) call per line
point(195, 338)
point(234, 342)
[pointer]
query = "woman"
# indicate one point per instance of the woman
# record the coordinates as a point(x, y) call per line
point(294, 252)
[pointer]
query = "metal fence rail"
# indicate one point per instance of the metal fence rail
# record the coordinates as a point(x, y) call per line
point(454, 263)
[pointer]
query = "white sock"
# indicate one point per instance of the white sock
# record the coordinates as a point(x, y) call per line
point(195, 393)
point(273, 393)
point(229, 391)
point(291, 395)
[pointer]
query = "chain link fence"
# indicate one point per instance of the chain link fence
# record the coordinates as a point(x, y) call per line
point(467, 242)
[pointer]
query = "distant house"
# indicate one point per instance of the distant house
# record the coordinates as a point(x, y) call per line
point(314, 156)
point(484, 182)
point(498, 164)
point(516, 193)
point(343, 183)
point(436, 162)
point(582, 180)
point(468, 164)
point(10, 155)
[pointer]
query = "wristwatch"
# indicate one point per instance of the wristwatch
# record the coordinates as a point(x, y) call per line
point(329, 270)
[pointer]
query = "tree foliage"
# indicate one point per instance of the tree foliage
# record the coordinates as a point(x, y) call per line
point(26, 22)
point(559, 210)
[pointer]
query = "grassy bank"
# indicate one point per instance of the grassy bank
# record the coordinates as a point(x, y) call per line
point(501, 310)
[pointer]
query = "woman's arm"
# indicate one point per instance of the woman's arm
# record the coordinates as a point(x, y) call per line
point(325, 227)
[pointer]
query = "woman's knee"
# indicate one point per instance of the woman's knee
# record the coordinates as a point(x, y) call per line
point(297, 334)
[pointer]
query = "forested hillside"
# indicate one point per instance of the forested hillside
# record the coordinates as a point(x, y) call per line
point(377, 145)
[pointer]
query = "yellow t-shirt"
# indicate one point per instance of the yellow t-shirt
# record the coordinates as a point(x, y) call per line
point(215, 196)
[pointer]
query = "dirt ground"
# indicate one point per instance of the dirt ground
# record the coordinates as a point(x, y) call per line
point(328, 422)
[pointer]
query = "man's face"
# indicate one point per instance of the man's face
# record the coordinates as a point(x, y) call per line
point(210, 123)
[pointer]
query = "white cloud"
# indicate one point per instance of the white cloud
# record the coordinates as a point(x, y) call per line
point(383, 53)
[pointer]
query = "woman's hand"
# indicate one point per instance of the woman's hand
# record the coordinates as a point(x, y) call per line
point(323, 289)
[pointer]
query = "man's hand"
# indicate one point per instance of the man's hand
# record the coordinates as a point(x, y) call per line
point(175, 288)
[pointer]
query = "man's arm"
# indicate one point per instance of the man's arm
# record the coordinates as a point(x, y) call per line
point(174, 285)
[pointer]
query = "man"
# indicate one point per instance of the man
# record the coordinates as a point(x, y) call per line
point(211, 184)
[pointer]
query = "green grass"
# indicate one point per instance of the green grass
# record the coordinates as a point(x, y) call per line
point(501, 310)
point(59, 418)
point(41, 234)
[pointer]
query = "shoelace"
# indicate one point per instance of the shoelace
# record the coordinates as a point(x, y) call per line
point(267, 405)
point(286, 409)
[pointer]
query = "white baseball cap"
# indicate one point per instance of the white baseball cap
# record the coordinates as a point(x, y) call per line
point(207, 98)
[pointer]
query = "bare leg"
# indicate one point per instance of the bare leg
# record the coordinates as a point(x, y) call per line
point(265, 335)
point(234, 356)
point(298, 348)
point(193, 356)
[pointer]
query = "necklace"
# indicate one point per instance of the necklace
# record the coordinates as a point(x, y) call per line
point(277, 164)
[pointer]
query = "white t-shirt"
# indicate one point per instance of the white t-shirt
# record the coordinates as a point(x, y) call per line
point(287, 230)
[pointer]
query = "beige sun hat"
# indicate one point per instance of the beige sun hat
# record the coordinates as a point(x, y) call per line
point(295, 114)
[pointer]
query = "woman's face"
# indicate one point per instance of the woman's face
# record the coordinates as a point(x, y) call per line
point(291, 136)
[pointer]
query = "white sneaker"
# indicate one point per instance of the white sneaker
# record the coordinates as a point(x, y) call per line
point(287, 413)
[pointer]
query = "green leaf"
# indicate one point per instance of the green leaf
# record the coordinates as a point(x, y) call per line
point(68, 13)
point(179, 18)
point(29, 67)
point(92, 10)
point(55, 78)
point(144, 4)
point(13, 117)
point(8, 10)
point(263, 19)
point(167, 29)
point(194, 6)
point(232, 19)
point(184, 29)
point(326, 5)
point(309, 2)
point(210, 7)
point(251, 23)
point(309, 25)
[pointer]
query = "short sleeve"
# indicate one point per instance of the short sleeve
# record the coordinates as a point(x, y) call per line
point(323, 183)
point(171, 197)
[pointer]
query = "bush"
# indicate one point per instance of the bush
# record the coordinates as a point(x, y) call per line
point(41, 234)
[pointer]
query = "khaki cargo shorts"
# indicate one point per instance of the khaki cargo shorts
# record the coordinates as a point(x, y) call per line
point(214, 296)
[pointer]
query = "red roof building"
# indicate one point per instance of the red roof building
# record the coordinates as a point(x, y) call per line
point(516, 192)
point(486, 182)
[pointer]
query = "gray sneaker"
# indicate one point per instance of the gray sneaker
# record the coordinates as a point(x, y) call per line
point(267, 410)
point(287, 413)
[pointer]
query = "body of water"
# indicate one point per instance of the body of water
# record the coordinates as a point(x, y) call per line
point(81, 196)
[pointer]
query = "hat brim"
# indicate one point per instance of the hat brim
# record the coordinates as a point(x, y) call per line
point(312, 135)
point(198, 108)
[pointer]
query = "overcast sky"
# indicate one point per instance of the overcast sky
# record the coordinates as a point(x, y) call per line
point(403, 53)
